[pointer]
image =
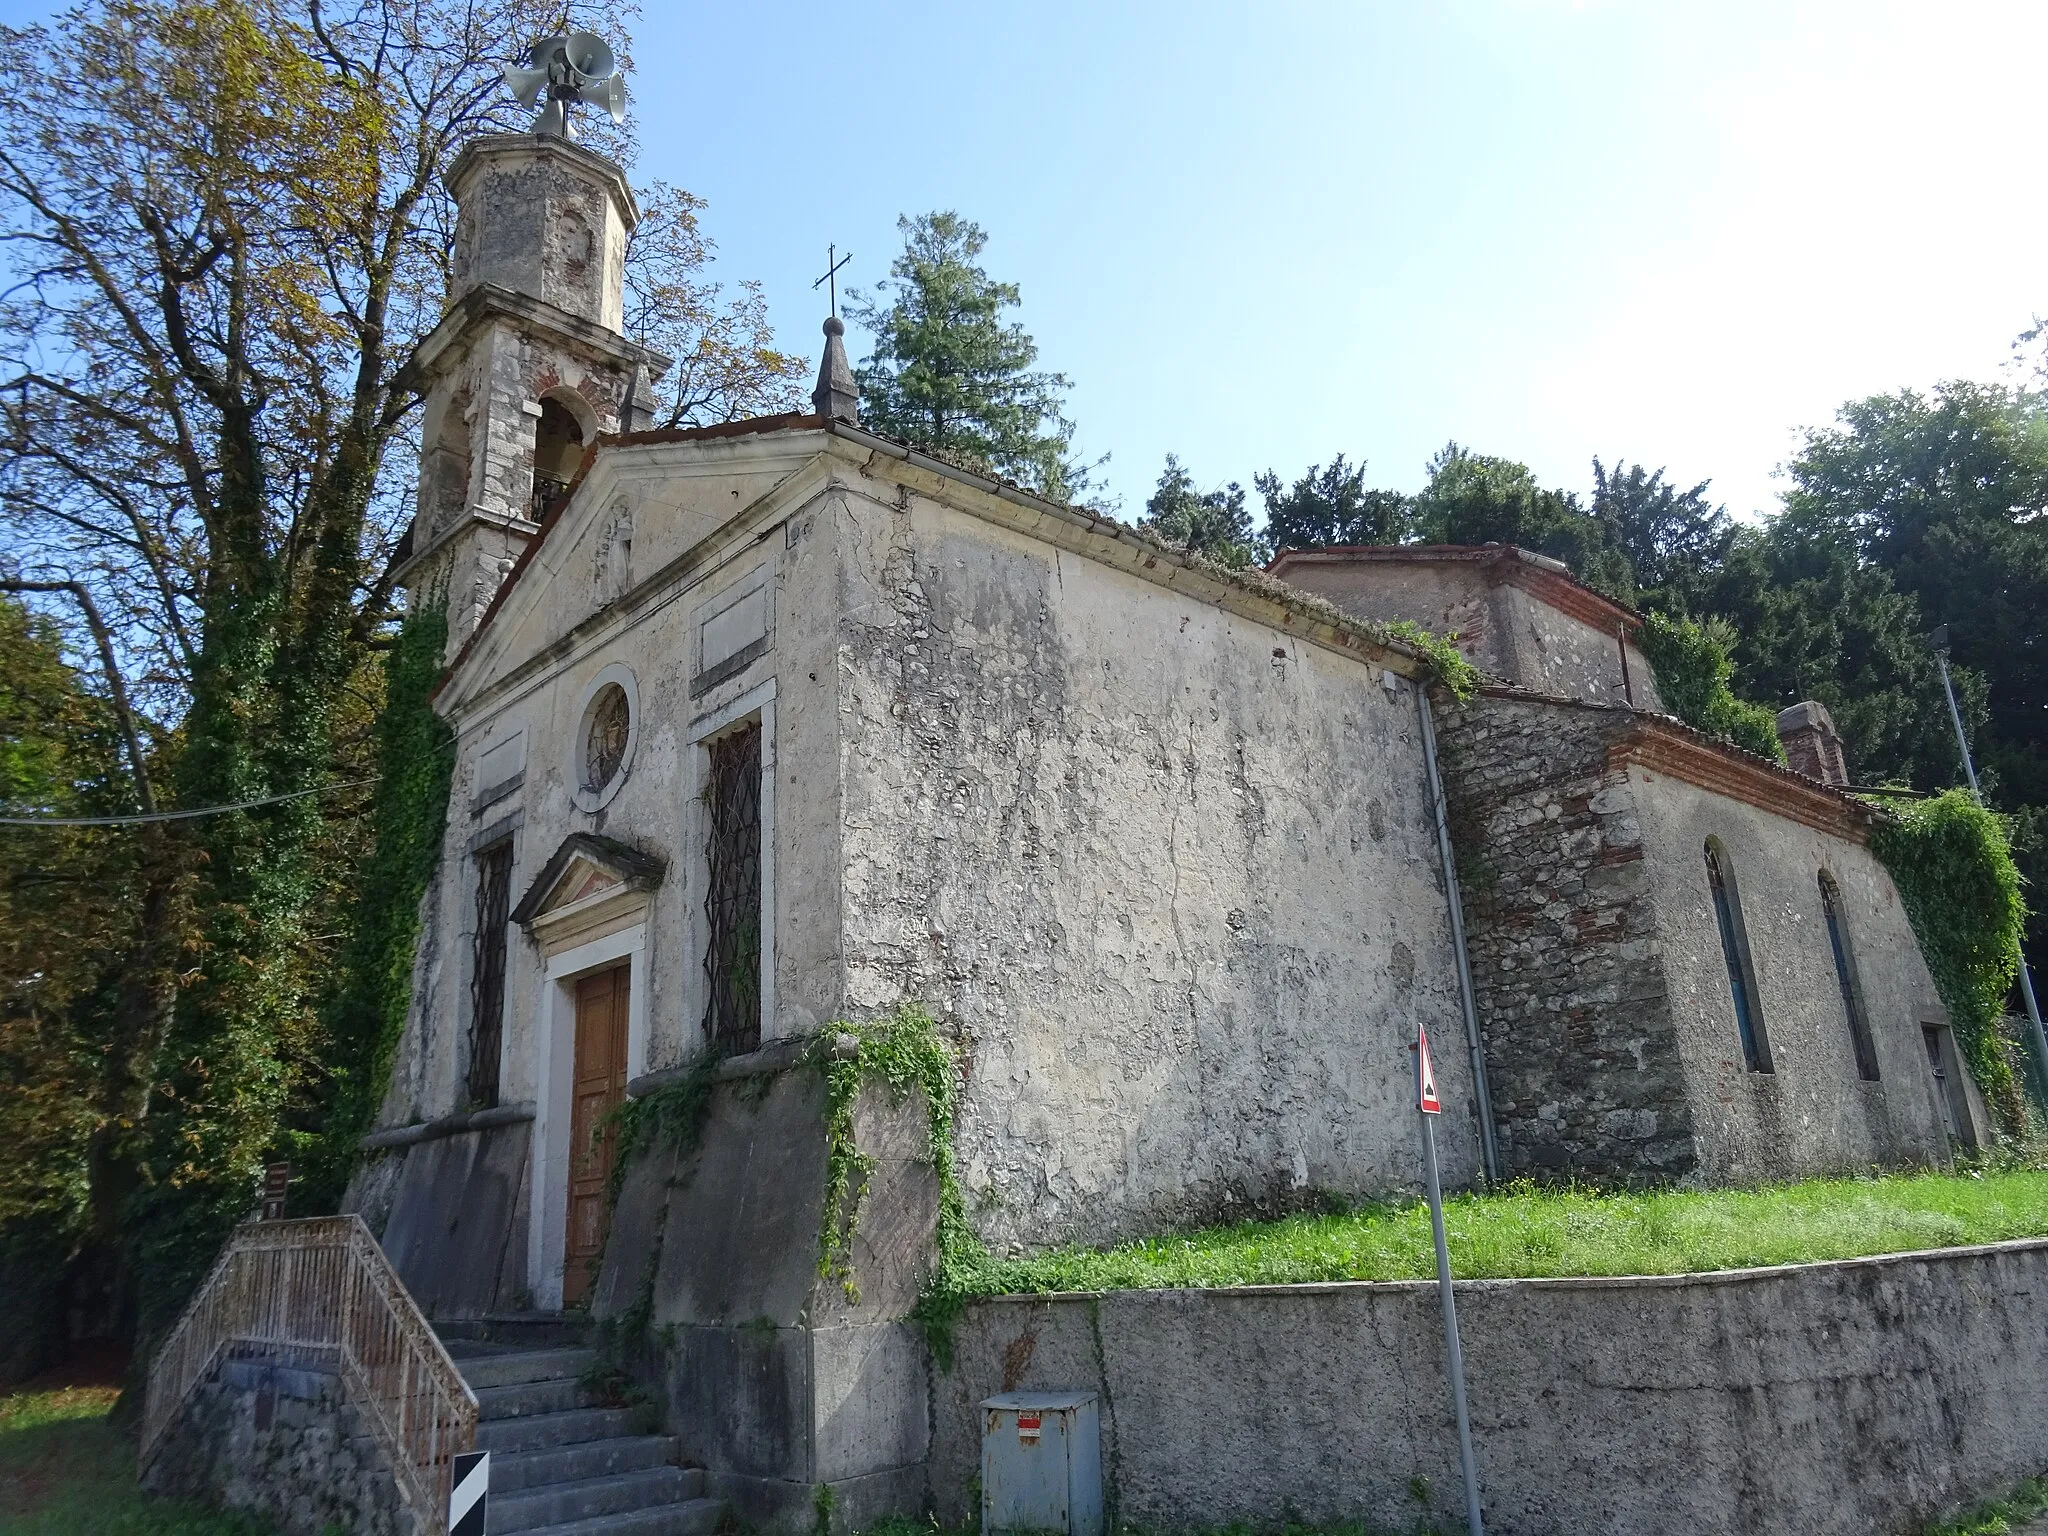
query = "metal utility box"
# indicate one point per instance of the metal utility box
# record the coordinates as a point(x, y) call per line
point(1041, 1464)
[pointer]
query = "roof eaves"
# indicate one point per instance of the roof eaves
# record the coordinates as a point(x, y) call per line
point(1649, 721)
point(1252, 579)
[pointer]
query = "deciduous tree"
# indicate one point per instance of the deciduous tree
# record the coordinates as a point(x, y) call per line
point(227, 225)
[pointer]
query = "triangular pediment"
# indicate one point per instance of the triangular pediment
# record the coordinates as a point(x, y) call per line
point(628, 529)
point(585, 869)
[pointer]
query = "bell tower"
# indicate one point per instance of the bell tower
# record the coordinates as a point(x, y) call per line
point(527, 368)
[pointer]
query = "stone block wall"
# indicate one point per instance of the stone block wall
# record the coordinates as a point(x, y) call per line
point(777, 1380)
point(282, 1442)
point(1581, 1054)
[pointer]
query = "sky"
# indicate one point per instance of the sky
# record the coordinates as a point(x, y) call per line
point(1259, 236)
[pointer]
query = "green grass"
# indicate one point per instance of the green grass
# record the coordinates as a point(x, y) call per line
point(2000, 1516)
point(1525, 1231)
point(65, 1472)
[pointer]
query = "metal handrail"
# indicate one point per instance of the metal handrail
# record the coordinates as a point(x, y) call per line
point(322, 1287)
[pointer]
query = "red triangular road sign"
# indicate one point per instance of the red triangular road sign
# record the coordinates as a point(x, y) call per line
point(1426, 1075)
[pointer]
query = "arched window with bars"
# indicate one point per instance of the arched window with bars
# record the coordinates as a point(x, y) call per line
point(1749, 1019)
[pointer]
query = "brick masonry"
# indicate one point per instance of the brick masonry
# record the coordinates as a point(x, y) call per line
point(1581, 1053)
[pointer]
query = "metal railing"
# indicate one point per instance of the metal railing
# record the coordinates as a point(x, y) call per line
point(321, 1288)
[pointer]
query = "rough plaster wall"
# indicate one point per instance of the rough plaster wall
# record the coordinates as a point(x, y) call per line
point(1168, 874)
point(1811, 1113)
point(537, 222)
point(1552, 652)
point(655, 808)
point(1858, 1399)
point(1450, 597)
point(1581, 1056)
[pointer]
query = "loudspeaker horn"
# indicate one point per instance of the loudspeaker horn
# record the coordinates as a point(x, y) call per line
point(526, 84)
point(609, 93)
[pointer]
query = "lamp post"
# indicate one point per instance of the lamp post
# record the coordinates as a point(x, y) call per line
point(1938, 640)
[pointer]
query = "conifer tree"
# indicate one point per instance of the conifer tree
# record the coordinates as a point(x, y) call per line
point(951, 374)
point(1210, 523)
point(1330, 505)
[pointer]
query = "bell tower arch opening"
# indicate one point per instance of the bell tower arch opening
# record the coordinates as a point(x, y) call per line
point(559, 436)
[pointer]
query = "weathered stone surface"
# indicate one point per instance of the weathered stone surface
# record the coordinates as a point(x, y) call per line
point(1856, 1399)
point(1581, 1051)
point(1611, 1043)
point(281, 1441)
point(456, 1232)
point(1514, 614)
point(774, 1378)
point(1167, 874)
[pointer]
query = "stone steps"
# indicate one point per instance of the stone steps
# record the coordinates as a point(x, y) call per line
point(561, 1462)
point(558, 1466)
point(697, 1517)
point(554, 1394)
point(540, 1431)
point(622, 1493)
point(516, 1367)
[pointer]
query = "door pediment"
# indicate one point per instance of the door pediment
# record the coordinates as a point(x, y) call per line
point(586, 874)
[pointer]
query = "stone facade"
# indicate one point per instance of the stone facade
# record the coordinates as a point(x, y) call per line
point(1582, 1057)
point(1602, 982)
point(528, 368)
point(1152, 844)
point(281, 1441)
point(1170, 873)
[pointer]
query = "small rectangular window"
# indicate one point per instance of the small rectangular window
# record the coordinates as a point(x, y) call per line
point(1845, 975)
point(487, 972)
point(732, 899)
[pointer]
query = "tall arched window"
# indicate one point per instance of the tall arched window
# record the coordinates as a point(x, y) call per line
point(1749, 1020)
point(1845, 973)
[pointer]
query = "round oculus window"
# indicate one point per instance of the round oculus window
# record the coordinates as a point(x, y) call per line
point(609, 728)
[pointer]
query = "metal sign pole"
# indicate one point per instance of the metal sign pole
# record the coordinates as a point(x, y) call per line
point(2040, 1039)
point(1428, 1109)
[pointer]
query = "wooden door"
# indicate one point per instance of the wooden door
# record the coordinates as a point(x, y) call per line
point(599, 1084)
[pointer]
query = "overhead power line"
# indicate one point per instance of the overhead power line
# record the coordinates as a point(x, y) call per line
point(204, 810)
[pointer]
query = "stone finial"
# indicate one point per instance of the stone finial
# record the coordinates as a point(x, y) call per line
point(1811, 745)
point(835, 398)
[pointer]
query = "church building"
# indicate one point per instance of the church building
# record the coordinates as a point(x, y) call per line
point(774, 724)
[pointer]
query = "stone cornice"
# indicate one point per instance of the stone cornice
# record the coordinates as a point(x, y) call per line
point(487, 301)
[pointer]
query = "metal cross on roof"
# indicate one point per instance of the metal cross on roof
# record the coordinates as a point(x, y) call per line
point(833, 262)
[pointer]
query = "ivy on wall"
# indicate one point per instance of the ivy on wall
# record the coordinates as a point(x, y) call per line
point(1446, 663)
point(902, 1053)
point(366, 1014)
point(1952, 862)
point(1692, 664)
point(899, 1053)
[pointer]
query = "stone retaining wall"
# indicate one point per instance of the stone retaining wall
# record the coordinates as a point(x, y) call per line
point(281, 1442)
point(1862, 1398)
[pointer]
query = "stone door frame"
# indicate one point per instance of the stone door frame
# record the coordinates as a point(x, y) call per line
point(547, 1232)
